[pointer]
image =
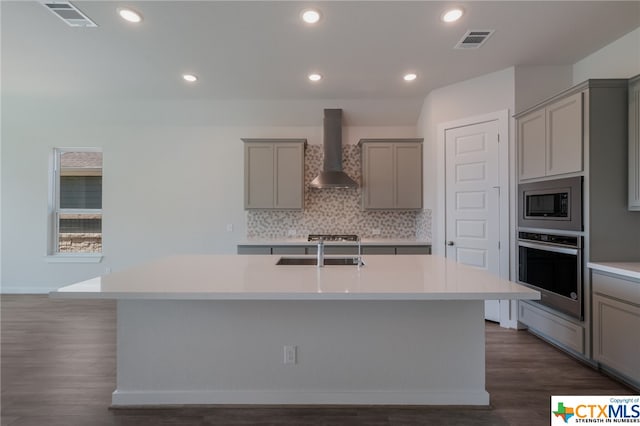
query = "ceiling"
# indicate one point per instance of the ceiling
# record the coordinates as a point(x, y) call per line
point(259, 53)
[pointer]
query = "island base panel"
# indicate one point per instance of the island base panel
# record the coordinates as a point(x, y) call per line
point(347, 352)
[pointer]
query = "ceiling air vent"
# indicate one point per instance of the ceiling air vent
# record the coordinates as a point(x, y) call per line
point(473, 39)
point(69, 14)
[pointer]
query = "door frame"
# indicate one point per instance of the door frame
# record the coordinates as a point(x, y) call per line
point(508, 311)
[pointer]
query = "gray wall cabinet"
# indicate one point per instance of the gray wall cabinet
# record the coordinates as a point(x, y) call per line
point(274, 173)
point(550, 139)
point(634, 143)
point(391, 174)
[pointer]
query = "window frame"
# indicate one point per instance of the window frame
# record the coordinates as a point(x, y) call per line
point(53, 250)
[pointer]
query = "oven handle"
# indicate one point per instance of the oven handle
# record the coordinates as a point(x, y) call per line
point(555, 249)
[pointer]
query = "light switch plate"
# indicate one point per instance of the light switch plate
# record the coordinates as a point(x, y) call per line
point(290, 355)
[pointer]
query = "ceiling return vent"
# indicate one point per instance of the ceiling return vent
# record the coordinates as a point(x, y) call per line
point(69, 14)
point(473, 39)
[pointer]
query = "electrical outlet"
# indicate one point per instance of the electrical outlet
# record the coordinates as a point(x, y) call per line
point(229, 227)
point(376, 232)
point(290, 356)
point(291, 233)
point(107, 270)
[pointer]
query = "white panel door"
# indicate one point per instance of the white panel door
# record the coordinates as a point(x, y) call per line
point(472, 215)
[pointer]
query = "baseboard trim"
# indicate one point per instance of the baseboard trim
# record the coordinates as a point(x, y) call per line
point(124, 398)
point(25, 290)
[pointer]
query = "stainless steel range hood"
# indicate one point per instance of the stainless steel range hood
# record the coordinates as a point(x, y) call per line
point(332, 175)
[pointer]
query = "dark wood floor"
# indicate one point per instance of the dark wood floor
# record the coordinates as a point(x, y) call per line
point(58, 368)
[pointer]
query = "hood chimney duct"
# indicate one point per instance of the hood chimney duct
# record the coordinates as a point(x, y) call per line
point(332, 175)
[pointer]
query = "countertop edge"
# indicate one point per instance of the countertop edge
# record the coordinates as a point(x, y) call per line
point(325, 297)
point(256, 277)
point(625, 269)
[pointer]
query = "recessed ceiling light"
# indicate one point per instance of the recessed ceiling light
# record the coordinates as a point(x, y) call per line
point(130, 15)
point(315, 77)
point(410, 77)
point(190, 78)
point(452, 15)
point(310, 16)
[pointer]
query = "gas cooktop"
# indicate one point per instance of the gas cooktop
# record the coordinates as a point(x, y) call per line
point(332, 237)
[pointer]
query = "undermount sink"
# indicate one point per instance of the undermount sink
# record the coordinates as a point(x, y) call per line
point(353, 261)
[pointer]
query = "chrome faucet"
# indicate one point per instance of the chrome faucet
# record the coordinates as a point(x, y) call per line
point(320, 261)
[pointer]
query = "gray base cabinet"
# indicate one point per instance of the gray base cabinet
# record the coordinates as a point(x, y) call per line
point(274, 173)
point(616, 325)
point(391, 174)
point(328, 249)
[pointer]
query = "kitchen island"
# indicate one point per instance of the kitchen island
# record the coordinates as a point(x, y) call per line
point(209, 329)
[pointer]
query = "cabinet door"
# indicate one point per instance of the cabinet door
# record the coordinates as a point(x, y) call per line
point(564, 136)
point(377, 176)
point(634, 144)
point(408, 172)
point(616, 320)
point(615, 324)
point(289, 176)
point(259, 176)
point(532, 145)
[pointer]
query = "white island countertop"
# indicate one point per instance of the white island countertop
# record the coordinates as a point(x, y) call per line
point(255, 277)
point(626, 269)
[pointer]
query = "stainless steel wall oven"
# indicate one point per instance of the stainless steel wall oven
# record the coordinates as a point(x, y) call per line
point(552, 264)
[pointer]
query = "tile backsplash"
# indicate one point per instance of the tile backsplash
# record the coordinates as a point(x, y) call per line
point(336, 211)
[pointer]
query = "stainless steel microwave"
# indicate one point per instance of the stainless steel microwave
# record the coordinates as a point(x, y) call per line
point(551, 204)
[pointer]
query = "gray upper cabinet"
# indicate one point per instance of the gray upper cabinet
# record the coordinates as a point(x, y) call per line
point(634, 143)
point(550, 139)
point(532, 144)
point(391, 174)
point(274, 173)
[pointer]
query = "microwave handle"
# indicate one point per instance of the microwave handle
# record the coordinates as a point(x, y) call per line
point(563, 250)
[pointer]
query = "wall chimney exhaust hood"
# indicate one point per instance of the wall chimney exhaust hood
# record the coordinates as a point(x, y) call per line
point(332, 175)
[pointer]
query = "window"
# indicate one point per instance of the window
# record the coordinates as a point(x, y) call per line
point(76, 212)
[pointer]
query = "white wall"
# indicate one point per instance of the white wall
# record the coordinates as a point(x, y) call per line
point(534, 84)
point(620, 59)
point(173, 173)
point(482, 95)
point(170, 185)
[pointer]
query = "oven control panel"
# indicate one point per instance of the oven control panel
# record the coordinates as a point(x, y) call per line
point(564, 240)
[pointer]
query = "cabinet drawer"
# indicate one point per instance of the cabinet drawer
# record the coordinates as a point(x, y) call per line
point(378, 250)
point(413, 250)
point(254, 250)
point(334, 250)
point(558, 329)
point(619, 288)
point(288, 250)
point(340, 250)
